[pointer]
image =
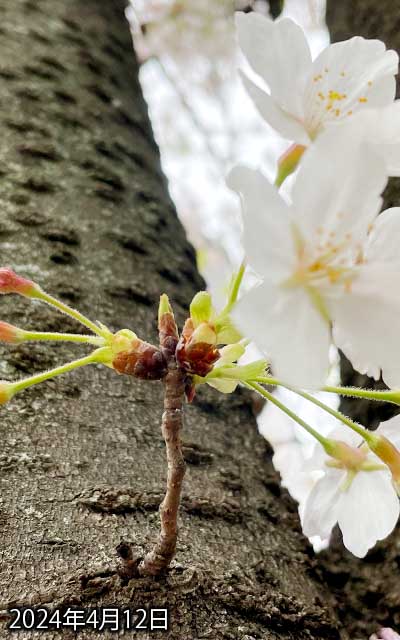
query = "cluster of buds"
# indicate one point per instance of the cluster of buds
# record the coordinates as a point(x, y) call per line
point(207, 351)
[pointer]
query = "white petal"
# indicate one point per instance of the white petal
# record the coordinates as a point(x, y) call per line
point(383, 247)
point(287, 125)
point(286, 326)
point(338, 187)
point(266, 227)
point(348, 77)
point(321, 509)
point(288, 459)
point(275, 426)
point(391, 430)
point(368, 511)
point(380, 128)
point(365, 318)
point(278, 52)
point(364, 327)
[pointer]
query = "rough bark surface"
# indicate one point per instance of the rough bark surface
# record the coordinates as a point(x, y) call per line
point(368, 591)
point(85, 211)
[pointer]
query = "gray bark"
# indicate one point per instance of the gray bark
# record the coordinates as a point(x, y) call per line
point(367, 591)
point(86, 213)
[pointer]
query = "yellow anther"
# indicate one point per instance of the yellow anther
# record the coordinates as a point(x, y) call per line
point(362, 99)
point(337, 112)
point(343, 73)
point(335, 95)
point(370, 83)
point(349, 113)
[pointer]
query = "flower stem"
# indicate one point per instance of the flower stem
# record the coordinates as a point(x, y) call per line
point(73, 313)
point(368, 394)
point(325, 442)
point(52, 373)
point(63, 337)
point(364, 433)
point(159, 558)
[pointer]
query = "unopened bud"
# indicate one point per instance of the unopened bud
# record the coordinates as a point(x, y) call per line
point(10, 282)
point(201, 308)
point(167, 329)
point(141, 360)
point(11, 334)
point(6, 391)
point(205, 332)
point(387, 452)
point(196, 351)
point(288, 162)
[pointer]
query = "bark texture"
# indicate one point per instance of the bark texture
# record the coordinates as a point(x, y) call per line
point(368, 591)
point(85, 211)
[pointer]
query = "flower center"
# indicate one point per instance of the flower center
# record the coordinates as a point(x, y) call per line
point(323, 264)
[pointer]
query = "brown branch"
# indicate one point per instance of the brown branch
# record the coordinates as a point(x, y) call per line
point(161, 555)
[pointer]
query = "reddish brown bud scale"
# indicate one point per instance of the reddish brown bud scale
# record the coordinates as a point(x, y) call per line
point(143, 361)
point(197, 359)
point(190, 390)
point(168, 333)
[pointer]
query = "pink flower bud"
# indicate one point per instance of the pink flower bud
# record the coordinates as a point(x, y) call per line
point(6, 391)
point(387, 452)
point(9, 333)
point(10, 282)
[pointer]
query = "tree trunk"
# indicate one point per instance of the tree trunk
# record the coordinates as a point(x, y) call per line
point(368, 591)
point(86, 213)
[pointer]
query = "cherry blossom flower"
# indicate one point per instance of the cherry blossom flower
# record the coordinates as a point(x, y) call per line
point(346, 79)
point(358, 495)
point(325, 260)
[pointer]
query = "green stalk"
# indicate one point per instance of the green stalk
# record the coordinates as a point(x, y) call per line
point(325, 442)
point(92, 358)
point(62, 337)
point(364, 433)
point(69, 311)
point(368, 394)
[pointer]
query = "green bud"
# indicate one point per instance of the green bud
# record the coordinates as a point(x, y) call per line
point(123, 340)
point(204, 333)
point(201, 308)
point(164, 306)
